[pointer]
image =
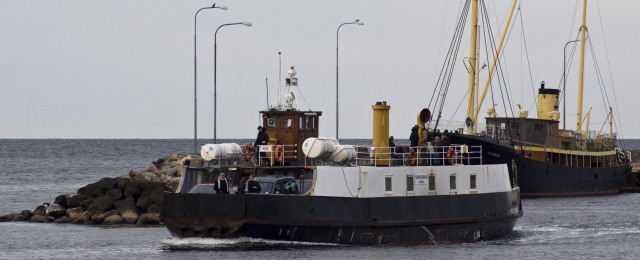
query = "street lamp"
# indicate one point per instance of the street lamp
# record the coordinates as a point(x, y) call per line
point(564, 87)
point(215, 72)
point(358, 22)
point(195, 76)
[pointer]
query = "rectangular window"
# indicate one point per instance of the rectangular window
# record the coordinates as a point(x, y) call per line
point(472, 181)
point(452, 181)
point(432, 182)
point(387, 183)
point(287, 123)
point(409, 183)
point(301, 123)
point(538, 127)
point(514, 125)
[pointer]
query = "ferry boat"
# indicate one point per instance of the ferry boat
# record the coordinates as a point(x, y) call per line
point(548, 160)
point(322, 191)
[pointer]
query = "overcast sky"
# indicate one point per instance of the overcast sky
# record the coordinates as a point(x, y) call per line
point(124, 69)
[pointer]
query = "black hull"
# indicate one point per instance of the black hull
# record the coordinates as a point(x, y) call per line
point(352, 221)
point(539, 179)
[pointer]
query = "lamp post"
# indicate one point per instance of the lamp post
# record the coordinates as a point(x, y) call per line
point(215, 75)
point(564, 87)
point(358, 22)
point(195, 76)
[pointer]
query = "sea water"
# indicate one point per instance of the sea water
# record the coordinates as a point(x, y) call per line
point(36, 171)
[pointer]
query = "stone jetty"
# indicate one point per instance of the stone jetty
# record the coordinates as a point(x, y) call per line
point(135, 198)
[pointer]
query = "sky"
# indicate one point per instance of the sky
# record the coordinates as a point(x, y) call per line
point(124, 69)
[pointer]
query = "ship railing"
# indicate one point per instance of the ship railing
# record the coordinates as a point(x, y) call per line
point(418, 156)
point(271, 155)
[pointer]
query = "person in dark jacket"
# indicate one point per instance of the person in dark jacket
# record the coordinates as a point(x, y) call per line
point(221, 185)
point(253, 186)
point(262, 139)
point(414, 138)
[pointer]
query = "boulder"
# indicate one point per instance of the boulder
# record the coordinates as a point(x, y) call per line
point(40, 210)
point(154, 209)
point(87, 202)
point(114, 194)
point(26, 213)
point(62, 200)
point(101, 204)
point(174, 171)
point(41, 219)
point(18, 217)
point(98, 218)
point(75, 200)
point(143, 203)
point(148, 219)
point(113, 220)
point(96, 189)
point(130, 215)
point(82, 221)
point(9, 217)
point(128, 202)
point(151, 168)
point(56, 211)
point(131, 189)
point(157, 196)
point(63, 219)
point(122, 183)
point(75, 213)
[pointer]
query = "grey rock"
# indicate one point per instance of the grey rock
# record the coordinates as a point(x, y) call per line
point(75, 213)
point(87, 202)
point(154, 209)
point(122, 183)
point(130, 215)
point(157, 196)
point(143, 203)
point(113, 220)
point(9, 217)
point(101, 204)
point(40, 210)
point(75, 200)
point(148, 219)
point(26, 213)
point(98, 218)
point(131, 190)
point(63, 219)
point(56, 211)
point(128, 202)
point(18, 217)
point(114, 194)
point(41, 219)
point(62, 200)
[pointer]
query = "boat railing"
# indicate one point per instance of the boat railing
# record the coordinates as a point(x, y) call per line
point(271, 155)
point(415, 156)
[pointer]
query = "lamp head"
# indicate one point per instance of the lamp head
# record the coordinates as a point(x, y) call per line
point(358, 22)
point(248, 24)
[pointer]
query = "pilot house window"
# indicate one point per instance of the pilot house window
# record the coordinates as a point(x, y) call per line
point(287, 123)
point(538, 127)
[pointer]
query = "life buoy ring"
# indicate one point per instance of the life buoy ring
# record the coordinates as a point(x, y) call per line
point(246, 152)
point(412, 157)
point(279, 153)
point(451, 155)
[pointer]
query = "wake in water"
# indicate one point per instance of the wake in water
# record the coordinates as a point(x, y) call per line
point(543, 234)
point(241, 243)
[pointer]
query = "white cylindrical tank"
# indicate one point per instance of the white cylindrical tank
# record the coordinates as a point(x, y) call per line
point(319, 148)
point(211, 152)
point(344, 154)
point(232, 150)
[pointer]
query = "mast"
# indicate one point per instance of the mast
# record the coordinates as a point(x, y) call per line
point(583, 30)
point(472, 64)
point(495, 60)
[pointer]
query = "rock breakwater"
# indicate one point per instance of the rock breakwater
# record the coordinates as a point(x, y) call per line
point(134, 198)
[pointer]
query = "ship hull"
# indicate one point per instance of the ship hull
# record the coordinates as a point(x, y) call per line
point(353, 221)
point(539, 179)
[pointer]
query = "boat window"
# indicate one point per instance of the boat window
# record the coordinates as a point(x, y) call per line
point(539, 127)
point(452, 181)
point(301, 122)
point(472, 181)
point(503, 126)
point(290, 187)
point(514, 125)
point(310, 122)
point(409, 183)
point(432, 182)
point(387, 183)
point(287, 123)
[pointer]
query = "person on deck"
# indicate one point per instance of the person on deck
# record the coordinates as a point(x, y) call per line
point(423, 142)
point(253, 186)
point(262, 139)
point(221, 185)
point(414, 138)
point(393, 156)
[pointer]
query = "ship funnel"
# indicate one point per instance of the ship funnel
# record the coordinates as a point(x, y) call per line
point(380, 144)
point(548, 103)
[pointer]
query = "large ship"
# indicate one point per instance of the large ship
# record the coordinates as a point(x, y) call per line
point(548, 160)
point(315, 189)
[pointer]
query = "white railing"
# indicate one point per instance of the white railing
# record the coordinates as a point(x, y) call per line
point(270, 155)
point(417, 156)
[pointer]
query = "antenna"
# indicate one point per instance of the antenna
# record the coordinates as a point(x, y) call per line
point(266, 84)
point(279, 76)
